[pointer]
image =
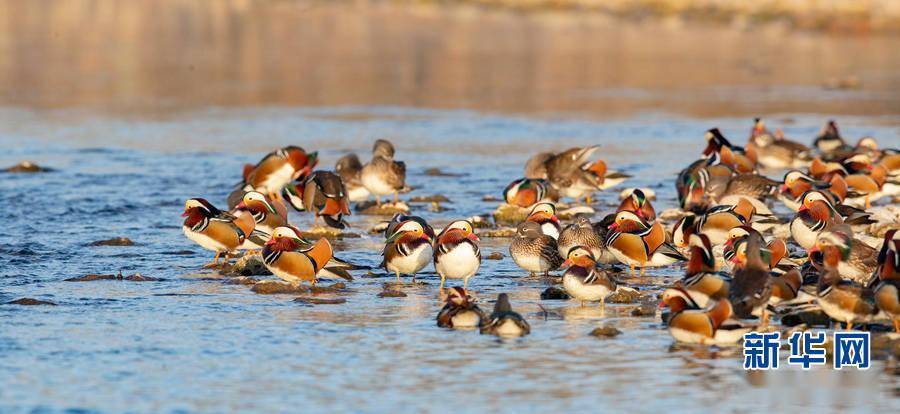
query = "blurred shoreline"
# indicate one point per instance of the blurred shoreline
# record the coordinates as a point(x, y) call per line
point(171, 56)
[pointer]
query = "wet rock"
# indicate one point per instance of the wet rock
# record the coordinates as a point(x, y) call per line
point(606, 332)
point(137, 277)
point(437, 198)
point(242, 280)
point(30, 302)
point(248, 265)
point(644, 310)
point(115, 241)
point(489, 198)
point(623, 295)
point(320, 301)
point(329, 233)
point(481, 222)
point(271, 287)
point(672, 214)
point(386, 209)
point(495, 256)
point(571, 212)
point(90, 278)
point(811, 315)
point(391, 293)
point(437, 172)
point(554, 293)
point(510, 214)
point(27, 167)
point(504, 232)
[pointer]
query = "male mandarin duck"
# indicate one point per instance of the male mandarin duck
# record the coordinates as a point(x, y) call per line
point(533, 250)
point(456, 252)
point(731, 155)
point(701, 280)
point(544, 214)
point(774, 253)
point(460, 311)
point(212, 228)
point(267, 213)
point(683, 229)
point(869, 181)
point(773, 150)
point(841, 299)
point(751, 286)
point(635, 243)
point(400, 218)
point(582, 280)
point(288, 256)
point(796, 183)
point(637, 203)
point(383, 175)
point(858, 261)
point(408, 248)
point(245, 220)
point(829, 141)
point(580, 233)
point(324, 194)
point(525, 192)
point(717, 221)
point(504, 322)
point(710, 325)
point(279, 168)
point(815, 215)
point(887, 292)
point(350, 169)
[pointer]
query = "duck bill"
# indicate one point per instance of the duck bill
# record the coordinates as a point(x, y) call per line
point(473, 237)
point(186, 213)
point(613, 226)
point(567, 263)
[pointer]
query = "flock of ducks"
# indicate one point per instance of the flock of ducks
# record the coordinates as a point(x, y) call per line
point(743, 262)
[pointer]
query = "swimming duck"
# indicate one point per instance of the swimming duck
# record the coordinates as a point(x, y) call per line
point(533, 250)
point(637, 203)
point(504, 321)
point(887, 292)
point(525, 192)
point(408, 249)
point(211, 228)
point(324, 194)
point(350, 169)
point(277, 169)
point(382, 175)
point(751, 286)
point(544, 214)
point(288, 255)
point(841, 299)
point(460, 311)
point(773, 150)
point(456, 252)
point(635, 243)
point(582, 280)
point(705, 326)
point(580, 233)
point(267, 213)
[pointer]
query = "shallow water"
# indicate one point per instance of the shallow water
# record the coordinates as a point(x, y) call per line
point(194, 343)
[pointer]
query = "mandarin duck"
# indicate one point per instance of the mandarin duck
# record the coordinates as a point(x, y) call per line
point(525, 192)
point(533, 250)
point(268, 213)
point(212, 228)
point(706, 326)
point(504, 322)
point(350, 169)
point(773, 150)
point(277, 169)
point(731, 155)
point(701, 280)
point(887, 292)
point(324, 194)
point(580, 233)
point(544, 214)
point(751, 286)
point(408, 248)
point(290, 257)
point(460, 311)
point(582, 280)
point(841, 299)
point(637, 203)
point(829, 141)
point(383, 175)
point(456, 253)
point(635, 243)
point(858, 261)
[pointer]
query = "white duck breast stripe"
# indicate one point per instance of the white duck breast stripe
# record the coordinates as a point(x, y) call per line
point(412, 262)
point(459, 263)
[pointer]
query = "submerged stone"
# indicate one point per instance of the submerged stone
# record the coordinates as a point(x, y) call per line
point(495, 256)
point(115, 241)
point(623, 295)
point(30, 302)
point(386, 209)
point(507, 232)
point(554, 293)
point(391, 293)
point(27, 167)
point(248, 265)
point(436, 198)
point(137, 277)
point(90, 278)
point(270, 287)
point(605, 332)
point(242, 280)
point(320, 301)
point(437, 172)
point(510, 214)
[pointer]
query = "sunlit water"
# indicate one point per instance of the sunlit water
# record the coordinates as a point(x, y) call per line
point(194, 343)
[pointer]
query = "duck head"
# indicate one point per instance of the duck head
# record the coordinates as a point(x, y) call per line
point(580, 256)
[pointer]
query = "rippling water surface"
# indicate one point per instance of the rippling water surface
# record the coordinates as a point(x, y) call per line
point(193, 342)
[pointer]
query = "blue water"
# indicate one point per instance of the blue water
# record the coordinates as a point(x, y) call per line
point(194, 343)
